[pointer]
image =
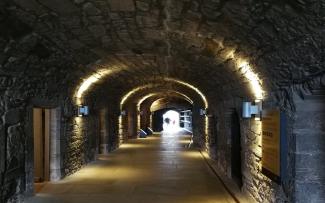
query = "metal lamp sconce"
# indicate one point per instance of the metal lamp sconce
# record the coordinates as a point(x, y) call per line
point(203, 112)
point(83, 111)
point(123, 113)
point(255, 109)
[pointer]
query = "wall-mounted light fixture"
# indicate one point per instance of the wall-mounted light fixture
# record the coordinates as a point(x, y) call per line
point(83, 111)
point(203, 112)
point(255, 109)
point(123, 113)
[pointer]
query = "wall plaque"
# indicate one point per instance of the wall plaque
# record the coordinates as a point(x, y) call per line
point(273, 144)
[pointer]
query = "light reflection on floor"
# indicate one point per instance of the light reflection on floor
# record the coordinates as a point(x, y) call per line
point(160, 169)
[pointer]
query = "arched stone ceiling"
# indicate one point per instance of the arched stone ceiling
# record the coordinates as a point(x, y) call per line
point(156, 95)
point(201, 42)
point(161, 90)
point(168, 102)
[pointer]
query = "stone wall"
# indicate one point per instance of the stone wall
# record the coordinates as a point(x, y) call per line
point(254, 184)
point(198, 124)
point(81, 145)
point(309, 132)
point(33, 74)
point(45, 47)
point(114, 140)
point(132, 121)
point(304, 136)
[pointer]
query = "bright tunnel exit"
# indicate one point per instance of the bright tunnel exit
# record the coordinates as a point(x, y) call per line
point(171, 122)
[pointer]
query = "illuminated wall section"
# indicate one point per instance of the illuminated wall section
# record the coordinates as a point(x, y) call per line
point(203, 97)
point(155, 94)
point(135, 90)
point(206, 105)
point(247, 71)
point(206, 129)
point(85, 86)
point(139, 105)
point(252, 77)
point(140, 101)
point(120, 129)
point(130, 93)
point(256, 89)
point(91, 80)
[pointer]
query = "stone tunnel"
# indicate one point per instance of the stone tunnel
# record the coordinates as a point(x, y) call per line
point(82, 80)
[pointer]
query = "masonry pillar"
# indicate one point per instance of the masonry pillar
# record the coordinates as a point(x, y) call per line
point(132, 121)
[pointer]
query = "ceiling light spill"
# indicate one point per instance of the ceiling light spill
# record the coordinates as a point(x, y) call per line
point(253, 79)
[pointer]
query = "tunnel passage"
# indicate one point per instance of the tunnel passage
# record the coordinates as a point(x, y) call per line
point(166, 114)
point(158, 120)
point(171, 121)
point(64, 55)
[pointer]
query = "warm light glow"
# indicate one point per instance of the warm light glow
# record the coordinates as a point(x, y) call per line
point(133, 91)
point(155, 94)
point(253, 78)
point(144, 98)
point(78, 120)
point(156, 103)
point(191, 87)
point(133, 146)
point(139, 105)
point(88, 82)
point(205, 154)
point(185, 96)
point(230, 54)
point(100, 173)
point(245, 69)
point(192, 155)
point(120, 130)
point(139, 121)
point(257, 147)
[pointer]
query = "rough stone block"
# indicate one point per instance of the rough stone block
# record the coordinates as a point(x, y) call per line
point(6, 81)
point(122, 5)
point(2, 149)
point(142, 6)
point(97, 30)
point(60, 6)
point(91, 9)
point(310, 167)
point(79, 1)
point(31, 5)
point(307, 141)
point(310, 120)
point(12, 116)
point(309, 192)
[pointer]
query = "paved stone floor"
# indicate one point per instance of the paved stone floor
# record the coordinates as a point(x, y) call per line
point(157, 169)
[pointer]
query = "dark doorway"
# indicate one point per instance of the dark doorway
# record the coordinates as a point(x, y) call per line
point(103, 135)
point(236, 149)
point(213, 122)
point(157, 120)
